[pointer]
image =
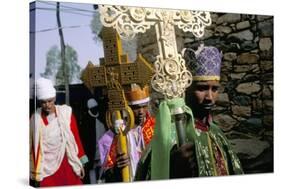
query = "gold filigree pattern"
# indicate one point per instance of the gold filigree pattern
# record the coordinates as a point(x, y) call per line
point(171, 77)
point(129, 21)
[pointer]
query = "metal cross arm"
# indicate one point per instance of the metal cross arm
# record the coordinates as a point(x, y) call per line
point(171, 77)
point(115, 71)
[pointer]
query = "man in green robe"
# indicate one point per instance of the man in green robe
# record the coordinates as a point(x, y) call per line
point(207, 151)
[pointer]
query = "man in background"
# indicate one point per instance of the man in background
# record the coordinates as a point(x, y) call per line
point(137, 138)
point(99, 130)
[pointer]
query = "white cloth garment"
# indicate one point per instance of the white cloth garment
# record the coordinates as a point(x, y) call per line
point(135, 147)
point(55, 140)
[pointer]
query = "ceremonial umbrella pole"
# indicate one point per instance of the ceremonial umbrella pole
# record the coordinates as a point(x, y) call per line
point(171, 77)
point(115, 74)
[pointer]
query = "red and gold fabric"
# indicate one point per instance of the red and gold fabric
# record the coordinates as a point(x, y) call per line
point(148, 129)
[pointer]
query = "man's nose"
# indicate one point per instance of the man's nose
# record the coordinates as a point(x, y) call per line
point(141, 110)
point(49, 104)
point(209, 95)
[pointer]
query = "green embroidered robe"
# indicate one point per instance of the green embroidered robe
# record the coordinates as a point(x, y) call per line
point(205, 142)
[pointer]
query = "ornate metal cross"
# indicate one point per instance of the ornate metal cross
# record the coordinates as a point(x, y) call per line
point(115, 71)
point(171, 77)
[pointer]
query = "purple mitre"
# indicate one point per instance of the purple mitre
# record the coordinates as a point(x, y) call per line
point(206, 63)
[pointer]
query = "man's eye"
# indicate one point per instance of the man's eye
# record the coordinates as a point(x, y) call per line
point(215, 88)
point(202, 88)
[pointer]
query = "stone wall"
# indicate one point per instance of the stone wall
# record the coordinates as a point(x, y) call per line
point(245, 105)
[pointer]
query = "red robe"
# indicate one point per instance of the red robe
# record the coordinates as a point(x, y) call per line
point(65, 174)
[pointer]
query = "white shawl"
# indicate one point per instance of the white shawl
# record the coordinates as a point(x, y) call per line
point(53, 141)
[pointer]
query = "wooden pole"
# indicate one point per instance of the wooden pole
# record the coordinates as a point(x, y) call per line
point(62, 44)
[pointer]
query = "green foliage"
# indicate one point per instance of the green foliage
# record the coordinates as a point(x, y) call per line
point(53, 61)
point(96, 26)
point(55, 69)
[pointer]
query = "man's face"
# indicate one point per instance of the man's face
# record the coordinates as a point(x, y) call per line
point(139, 113)
point(48, 105)
point(203, 96)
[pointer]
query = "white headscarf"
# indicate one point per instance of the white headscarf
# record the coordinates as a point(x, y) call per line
point(44, 89)
point(92, 103)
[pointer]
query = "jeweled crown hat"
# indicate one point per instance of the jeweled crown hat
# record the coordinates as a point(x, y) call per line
point(204, 63)
point(138, 95)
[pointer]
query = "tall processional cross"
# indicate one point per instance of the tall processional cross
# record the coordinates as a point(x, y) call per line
point(115, 74)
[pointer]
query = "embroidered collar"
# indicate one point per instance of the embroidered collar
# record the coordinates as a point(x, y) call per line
point(203, 126)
